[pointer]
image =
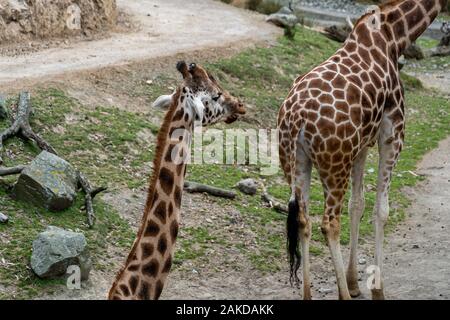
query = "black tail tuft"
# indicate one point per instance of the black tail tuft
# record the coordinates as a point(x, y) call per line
point(293, 226)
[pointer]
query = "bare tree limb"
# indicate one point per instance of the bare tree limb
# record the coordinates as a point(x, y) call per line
point(273, 203)
point(21, 126)
point(89, 195)
point(10, 171)
point(194, 187)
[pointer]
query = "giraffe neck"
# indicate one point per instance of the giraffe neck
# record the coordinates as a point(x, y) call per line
point(150, 259)
point(400, 24)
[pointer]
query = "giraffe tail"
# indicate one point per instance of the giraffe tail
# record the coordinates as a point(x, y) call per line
point(293, 226)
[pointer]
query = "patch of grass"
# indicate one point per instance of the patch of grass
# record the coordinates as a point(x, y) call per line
point(429, 64)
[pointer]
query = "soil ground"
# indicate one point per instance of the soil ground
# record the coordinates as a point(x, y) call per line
point(417, 257)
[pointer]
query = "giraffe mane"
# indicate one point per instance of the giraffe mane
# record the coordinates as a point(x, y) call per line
point(160, 144)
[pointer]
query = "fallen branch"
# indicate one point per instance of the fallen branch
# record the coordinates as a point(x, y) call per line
point(21, 126)
point(273, 203)
point(194, 187)
point(11, 171)
point(85, 185)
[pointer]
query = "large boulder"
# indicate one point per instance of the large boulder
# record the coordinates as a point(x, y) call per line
point(248, 186)
point(284, 18)
point(49, 182)
point(20, 20)
point(55, 249)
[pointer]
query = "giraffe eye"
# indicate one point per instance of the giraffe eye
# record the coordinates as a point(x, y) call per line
point(218, 96)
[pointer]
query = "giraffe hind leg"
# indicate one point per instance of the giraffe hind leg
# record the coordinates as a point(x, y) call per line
point(356, 210)
point(390, 144)
point(298, 222)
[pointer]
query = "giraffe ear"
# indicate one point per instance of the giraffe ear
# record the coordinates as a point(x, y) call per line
point(163, 102)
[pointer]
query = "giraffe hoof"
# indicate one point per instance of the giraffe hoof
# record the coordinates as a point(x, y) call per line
point(377, 294)
point(354, 293)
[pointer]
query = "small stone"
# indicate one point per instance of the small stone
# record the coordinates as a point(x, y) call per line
point(362, 261)
point(415, 246)
point(325, 290)
point(55, 249)
point(3, 218)
point(248, 186)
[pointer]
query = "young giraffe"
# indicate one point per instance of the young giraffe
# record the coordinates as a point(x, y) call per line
point(332, 115)
point(200, 100)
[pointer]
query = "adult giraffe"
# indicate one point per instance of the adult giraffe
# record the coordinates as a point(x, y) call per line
point(332, 115)
point(200, 100)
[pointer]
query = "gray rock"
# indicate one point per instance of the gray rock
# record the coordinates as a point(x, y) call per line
point(3, 218)
point(414, 51)
point(248, 186)
point(362, 261)
point(49, 182)
point(55, 249)
point(284, 18)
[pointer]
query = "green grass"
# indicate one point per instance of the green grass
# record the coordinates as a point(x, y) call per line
point(108, 145)
point(428, 64)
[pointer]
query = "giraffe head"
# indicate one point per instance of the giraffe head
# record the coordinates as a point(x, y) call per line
point(210, 102)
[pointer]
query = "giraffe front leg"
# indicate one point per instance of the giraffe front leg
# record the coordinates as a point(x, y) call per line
point(356, 210)
point(389, 144)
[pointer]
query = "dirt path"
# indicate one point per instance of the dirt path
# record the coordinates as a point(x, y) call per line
point(165, 28)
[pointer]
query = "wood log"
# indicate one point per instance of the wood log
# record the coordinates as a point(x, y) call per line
point(337, 33)
point(10, 171)
point(21, 126)
point(194, 187)
point(273, 203)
